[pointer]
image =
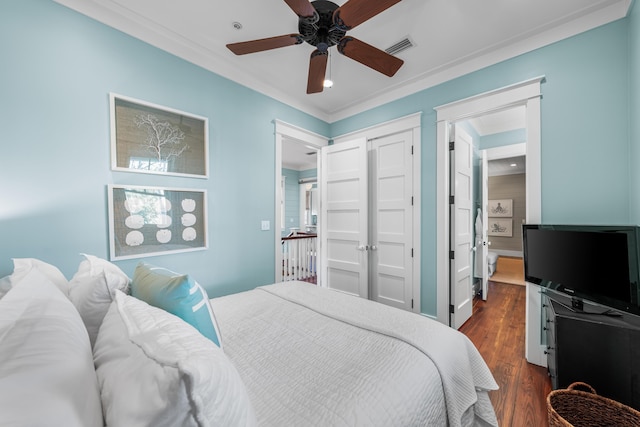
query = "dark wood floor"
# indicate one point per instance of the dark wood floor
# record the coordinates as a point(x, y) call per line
point(497, 328)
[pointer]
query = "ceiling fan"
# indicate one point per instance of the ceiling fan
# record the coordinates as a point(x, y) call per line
point(324, 24)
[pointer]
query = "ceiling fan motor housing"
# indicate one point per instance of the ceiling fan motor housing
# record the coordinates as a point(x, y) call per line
point(322, 33)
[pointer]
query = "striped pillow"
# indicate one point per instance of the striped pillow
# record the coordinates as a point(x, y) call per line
point(177, 294)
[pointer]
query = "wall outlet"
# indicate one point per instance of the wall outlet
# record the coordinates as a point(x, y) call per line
point(266, 225)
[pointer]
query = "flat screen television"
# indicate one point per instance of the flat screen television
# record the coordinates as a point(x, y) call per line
point(586, 263)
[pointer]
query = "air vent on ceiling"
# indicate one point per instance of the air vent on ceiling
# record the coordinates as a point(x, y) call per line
point(403, 44)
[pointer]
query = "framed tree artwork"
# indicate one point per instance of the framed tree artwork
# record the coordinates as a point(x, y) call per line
point(149, 138)
point(146, 221)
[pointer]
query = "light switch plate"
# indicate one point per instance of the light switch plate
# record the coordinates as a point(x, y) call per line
point(265, 225)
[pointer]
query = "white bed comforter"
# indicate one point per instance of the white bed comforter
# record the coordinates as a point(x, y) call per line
point(311, 356)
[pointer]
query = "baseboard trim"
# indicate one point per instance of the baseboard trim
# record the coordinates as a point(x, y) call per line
point(514, 254)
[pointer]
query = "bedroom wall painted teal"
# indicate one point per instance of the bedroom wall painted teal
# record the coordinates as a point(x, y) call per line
point(58, 68)
point(503, 138)
point(634, 111)
point(584, 131)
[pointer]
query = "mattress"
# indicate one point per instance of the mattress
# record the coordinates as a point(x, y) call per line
point(311, 356)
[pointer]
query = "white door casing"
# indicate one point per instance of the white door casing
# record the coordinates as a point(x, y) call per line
point(462, 235)
point(391, 219)
point(344, 218)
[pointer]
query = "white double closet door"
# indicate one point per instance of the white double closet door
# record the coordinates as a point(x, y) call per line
point(367, 218)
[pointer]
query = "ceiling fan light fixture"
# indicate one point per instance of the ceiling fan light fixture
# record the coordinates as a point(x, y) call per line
point(328, 82)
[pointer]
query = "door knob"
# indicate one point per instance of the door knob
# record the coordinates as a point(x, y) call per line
point(362, 248)
point(374, 248)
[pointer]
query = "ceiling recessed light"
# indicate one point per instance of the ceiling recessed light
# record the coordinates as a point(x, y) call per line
point(327, 83)
point(513, 165)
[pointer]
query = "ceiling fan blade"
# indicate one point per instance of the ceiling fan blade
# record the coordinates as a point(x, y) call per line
point(370, 56)
point(302, 8)
point(317, 70)
point(259, 45)
point(355, 12)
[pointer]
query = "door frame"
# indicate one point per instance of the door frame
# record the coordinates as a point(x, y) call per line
point(297, 134)
point(527, 93)
point(411, 122)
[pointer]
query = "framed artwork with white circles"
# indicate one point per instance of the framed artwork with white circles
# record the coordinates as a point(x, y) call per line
point(146, 221)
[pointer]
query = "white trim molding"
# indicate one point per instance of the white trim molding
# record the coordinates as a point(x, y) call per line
point(401, 124)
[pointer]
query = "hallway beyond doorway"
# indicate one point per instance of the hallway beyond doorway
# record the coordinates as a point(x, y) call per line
point(509, 270)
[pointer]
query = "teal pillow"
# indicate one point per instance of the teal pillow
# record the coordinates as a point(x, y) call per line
point(177, 294)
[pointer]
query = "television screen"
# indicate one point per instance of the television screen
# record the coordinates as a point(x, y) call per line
point(595, 263)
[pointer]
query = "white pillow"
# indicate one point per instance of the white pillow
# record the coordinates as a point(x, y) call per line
point(154, 369)
point(22, 266)
point(92, 289)
point(47, 375)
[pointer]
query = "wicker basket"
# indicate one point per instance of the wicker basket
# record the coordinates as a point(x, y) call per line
point(580, 406)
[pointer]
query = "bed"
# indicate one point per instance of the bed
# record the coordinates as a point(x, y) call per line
point(103, 349)
point(313, 356)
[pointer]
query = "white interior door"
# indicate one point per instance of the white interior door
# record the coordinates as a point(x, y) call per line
point(484, 252)
point(391, 220)
point(344, 217)
point(461, 286)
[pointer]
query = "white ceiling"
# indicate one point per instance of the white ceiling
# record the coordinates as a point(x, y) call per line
point(501, 121)
point(509, 166)
point(451, 38)
point(298, 156)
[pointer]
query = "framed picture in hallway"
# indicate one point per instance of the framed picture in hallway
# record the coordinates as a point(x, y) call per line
point(146, 221)
point(149, 138)
point(501, 208)
point(500, 227)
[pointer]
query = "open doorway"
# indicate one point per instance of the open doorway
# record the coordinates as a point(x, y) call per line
point(506, 186)
point(527, 94)
point(300, 172)
point(300, 211)
point(499, 194)
point(297, 172)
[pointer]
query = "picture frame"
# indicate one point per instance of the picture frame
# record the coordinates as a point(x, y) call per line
point(500, 227)
point(153, 139)
point(146, 221)
point(501, 208)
